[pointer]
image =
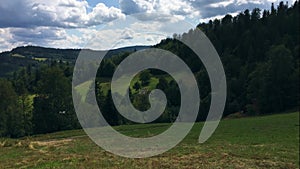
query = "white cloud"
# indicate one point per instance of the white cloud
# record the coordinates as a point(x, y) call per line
point(39, 36)
point(160, 10)
point(102, 14)
point(152, 26)
point(221, 4)
point(127, 34)
point(241, 2)
point(45, 23)
point(5, 36)
point(55, 13)
point(132, 31)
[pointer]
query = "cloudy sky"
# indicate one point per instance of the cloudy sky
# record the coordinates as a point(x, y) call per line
point(104, 24)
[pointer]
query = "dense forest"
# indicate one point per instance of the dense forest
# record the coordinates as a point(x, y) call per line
point(259, 51)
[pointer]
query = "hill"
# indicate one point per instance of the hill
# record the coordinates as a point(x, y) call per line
point(24, 56)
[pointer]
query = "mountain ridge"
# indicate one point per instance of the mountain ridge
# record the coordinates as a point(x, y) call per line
point(22, 56)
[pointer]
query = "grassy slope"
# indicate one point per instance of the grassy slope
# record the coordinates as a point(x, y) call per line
point(258, 142)
point(83, 88)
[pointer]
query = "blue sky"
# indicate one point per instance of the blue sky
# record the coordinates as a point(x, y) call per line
point(103, 24)
point(108, 3)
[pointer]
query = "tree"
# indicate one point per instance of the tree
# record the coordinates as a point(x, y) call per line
point(227, 20)
point(256, 94)
point(162, 84)
point(53, 108)
point(255, 15)
point(136, 86)
point(279, 82)
point(109, 111)
point(107, 68)
point(271, 84)
point(11, 119)
point(145, 78)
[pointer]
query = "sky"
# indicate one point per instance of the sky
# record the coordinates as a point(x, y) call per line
point(106, 24)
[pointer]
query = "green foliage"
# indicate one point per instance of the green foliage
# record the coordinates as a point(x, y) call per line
point(136, 86)
point(53, 108)
point(11, 119)
point(258, 54)
point(109, 111)
point(108, 68)
point(271, 86)
point(162, 84)
point(145, 78)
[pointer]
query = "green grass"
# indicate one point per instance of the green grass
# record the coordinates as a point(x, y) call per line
point(40, 59)
point(18, 56)
point(105, 88)
point(256, 142)
point(83, 89)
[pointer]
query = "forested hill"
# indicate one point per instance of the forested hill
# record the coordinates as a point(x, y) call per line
point(260, 54)
point(64, 54)
point(24, 56)
point(259, 51)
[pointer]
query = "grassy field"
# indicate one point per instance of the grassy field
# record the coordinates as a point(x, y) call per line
point(256, 142)
point(18, 56)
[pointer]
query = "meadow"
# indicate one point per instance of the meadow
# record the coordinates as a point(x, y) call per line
point(254, 142)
